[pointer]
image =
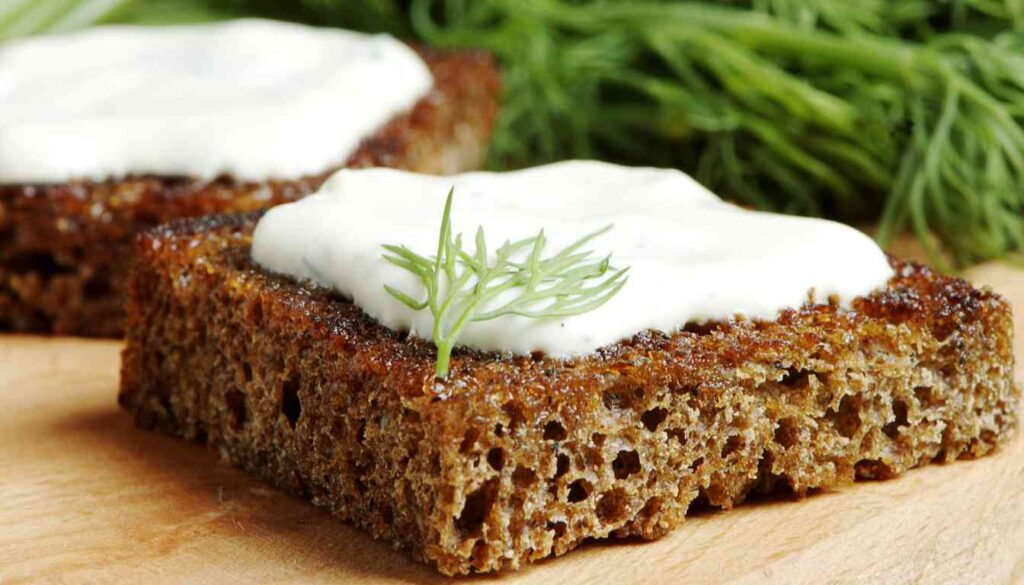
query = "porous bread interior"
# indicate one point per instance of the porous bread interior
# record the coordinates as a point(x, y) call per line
point(515, 459)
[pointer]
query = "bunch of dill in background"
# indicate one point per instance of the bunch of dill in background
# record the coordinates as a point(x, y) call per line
point(909, 113)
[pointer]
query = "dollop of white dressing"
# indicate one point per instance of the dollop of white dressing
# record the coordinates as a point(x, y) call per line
point(692, 257)
point(250, 99)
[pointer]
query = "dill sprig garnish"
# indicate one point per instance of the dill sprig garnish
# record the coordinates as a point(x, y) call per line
point(463, 287)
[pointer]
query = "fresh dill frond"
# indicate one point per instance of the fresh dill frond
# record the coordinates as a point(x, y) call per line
point(462, 287)
point(904, 113)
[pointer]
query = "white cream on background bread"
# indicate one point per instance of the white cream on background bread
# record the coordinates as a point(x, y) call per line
point(692, 256)
point(250, 99)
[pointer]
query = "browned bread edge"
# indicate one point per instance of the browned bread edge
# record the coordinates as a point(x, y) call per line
point(514, 459)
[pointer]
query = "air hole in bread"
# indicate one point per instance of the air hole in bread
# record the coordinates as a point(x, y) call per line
point(235, 401)
point(626, 464)
point(794, 378)
point(290, 405)
point(496, 458)
point(554, 431)
point(697, 463)
point(653, 418)
point(847, 419)
point(561, 465)
point(874, 469)
point(476, 509)
point(899, 411)
point(559, 528)
point(579, 490)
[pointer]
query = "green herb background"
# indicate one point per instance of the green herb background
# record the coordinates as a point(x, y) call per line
point(909, 113)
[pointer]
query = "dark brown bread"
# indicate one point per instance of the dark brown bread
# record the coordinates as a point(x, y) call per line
point(64, 249)
point(513, 459)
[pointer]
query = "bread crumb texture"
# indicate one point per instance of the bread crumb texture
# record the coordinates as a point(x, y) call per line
point(514, 459)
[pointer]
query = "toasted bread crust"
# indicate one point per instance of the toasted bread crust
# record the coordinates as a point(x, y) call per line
point(64, 248)
point(513, 459)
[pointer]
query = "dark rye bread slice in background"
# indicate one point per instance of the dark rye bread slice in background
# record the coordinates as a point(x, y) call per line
point(515, 459)
point(64, 249)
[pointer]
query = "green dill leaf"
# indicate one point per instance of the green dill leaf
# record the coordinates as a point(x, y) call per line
point(461, 288)
point(406, 299)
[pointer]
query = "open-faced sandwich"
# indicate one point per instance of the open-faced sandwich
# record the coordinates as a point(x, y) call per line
point(580, 351)
point(111, 130)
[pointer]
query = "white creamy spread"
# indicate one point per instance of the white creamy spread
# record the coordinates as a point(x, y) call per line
point(692, 257)
point(251, 99)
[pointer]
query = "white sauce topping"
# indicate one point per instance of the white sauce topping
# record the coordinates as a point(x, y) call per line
point(251, 99)
point(693, 257)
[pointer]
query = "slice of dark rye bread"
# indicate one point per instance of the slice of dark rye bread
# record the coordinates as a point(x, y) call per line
point(513, 459)
point(64, 248)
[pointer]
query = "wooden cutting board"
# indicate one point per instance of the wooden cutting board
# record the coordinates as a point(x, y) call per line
point(87, 498)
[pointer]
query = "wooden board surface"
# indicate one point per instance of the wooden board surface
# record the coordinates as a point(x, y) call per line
point(86, 498)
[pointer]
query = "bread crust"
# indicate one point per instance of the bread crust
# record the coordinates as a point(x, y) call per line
point(64, 248)
point(513, 459)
